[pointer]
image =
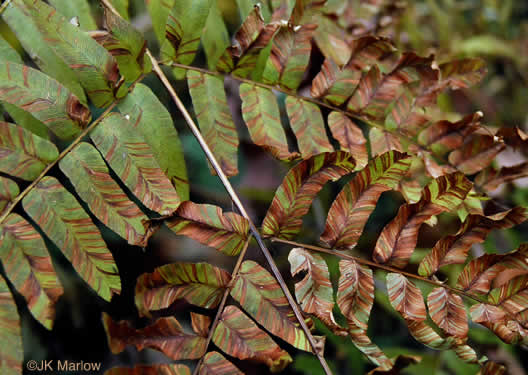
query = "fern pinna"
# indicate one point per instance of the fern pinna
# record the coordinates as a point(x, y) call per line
point(360, 111)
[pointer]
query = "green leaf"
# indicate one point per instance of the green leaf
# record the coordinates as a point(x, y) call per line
point(12, 353)
point(44, 98)
point(239, 336)
point(23, 154)
point(176, 369)
point(121, 6)
point(215, 37)
point(89, 174)
point(398, 239)
point(405, 297)
point(336, 83)
point(200, 284)
point(214, 117)
point(260, 296)
point(349, 136)
point(8, 191)
point(261, 114)
point(290, 54)
point(63, 220)
point(131, 158)
point(27, 121)
point(151, 119)
point(21, 22)
point(159, 13)
point(454, 249)
point(127, 46)
point(165, 334)
point(185, 23)
point(29, 267)
point(8, 53)
point(215, 363)
point(314, 292)
point(298, 189)
point(355, 293)
point(95, 68)
point(354, 204)
point(307, 123)
point(207, 224)
point(76, 8)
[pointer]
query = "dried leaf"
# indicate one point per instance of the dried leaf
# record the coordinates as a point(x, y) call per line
point(453, 249)
point(129, 155)
point(443, 136)
point(398, 239)
point(482, 313)
point(335, 83)
point(493, 270)
point(476, 154)
point(355, 293)
point(314, 292)
point(448, 312)
point(307, 123)
point(300, 186)
point(29, 267)
point(88, 173)
point(405, 297)
point(464, 73)
point(349, 136)
point(261, 114)
point(64, 221)
point(214, 118)
point(215, 363)
point(165, 335)
point(208, 225)
point(382, 141)
point(490, 179)
point(24, 155)
point(492, 368)
point(200, 284)
point(239, 336)
point(354, 204)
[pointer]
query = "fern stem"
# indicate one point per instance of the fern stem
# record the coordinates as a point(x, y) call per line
point(4, 6)
point(234, 275)
point(316, 102)
point(238, 204)
point(369, 263)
